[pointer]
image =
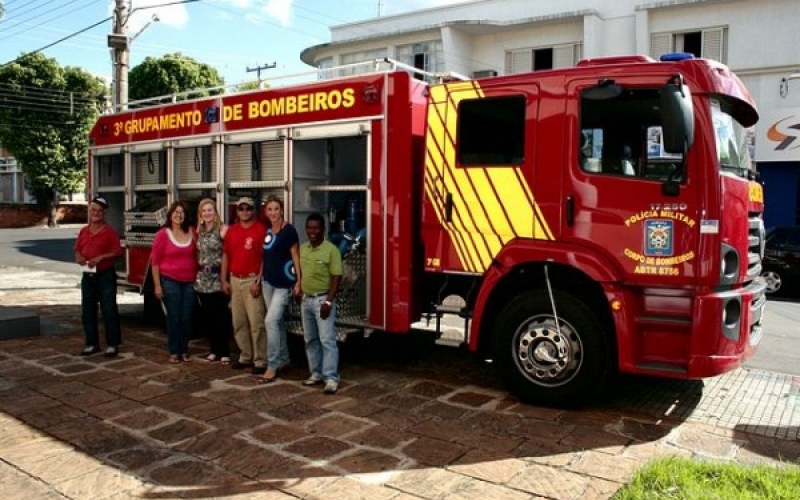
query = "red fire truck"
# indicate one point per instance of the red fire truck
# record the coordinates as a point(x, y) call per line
point(580, 222)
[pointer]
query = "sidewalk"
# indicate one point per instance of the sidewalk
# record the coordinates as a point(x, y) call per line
point(434, 425)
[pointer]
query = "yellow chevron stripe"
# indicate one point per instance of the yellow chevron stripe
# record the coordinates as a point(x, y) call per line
point(491, 205)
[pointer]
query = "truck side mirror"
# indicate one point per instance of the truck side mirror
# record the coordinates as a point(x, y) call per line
point(677, 116)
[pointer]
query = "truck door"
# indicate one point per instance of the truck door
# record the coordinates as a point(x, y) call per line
point(614, 193)
point(478, 196)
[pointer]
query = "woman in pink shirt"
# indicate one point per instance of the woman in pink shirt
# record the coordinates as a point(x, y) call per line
point(174, 266)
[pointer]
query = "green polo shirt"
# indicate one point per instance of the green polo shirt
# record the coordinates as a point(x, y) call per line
point(318, 265)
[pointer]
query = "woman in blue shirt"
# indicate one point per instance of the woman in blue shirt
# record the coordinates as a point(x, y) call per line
point(281, 281)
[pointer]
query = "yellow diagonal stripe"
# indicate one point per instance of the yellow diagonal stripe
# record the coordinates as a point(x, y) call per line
point(491, 204)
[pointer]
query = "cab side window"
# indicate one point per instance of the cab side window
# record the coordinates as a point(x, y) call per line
point(491, 131)
point(620, 135)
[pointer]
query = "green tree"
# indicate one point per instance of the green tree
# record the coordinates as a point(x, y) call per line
point(247, 86)
point(173, 73)
point(46, 112)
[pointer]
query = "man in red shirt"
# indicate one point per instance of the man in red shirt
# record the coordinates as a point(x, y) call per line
point(96, 249)
point(241, 279)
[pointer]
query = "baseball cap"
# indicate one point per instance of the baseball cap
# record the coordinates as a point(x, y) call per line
point(245, 200)
point(100, 201)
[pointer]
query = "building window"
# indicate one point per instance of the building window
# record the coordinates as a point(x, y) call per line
point(360, 57)
point(323, 65)
point(425, 56)
point(491, 131)
point(557, 56)
point(710, 43)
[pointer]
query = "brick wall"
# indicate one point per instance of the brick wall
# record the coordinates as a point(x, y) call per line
point(34, 215)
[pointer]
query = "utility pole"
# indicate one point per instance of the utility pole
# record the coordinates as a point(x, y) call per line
point(119, 44)
point(258, 69)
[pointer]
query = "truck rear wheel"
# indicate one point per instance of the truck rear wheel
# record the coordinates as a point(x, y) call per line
point(541, 363)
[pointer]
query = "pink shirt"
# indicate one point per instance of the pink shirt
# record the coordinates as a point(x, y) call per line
point(175, 260)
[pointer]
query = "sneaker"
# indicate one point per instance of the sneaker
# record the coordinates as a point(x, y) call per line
point(312, 380)
point(331, 386)
point(259, 370)
point(89, 350)
point(111, 352)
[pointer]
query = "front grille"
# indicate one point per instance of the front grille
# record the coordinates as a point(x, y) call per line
point(755, 246)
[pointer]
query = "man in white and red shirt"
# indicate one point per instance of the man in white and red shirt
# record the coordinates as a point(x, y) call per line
point(241, 279)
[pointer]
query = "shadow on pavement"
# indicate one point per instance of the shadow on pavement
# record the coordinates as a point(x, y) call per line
point(785, 448)
point(204, 430)
point(51, 249)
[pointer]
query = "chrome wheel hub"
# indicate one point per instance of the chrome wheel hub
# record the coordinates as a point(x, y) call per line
point(548, 355)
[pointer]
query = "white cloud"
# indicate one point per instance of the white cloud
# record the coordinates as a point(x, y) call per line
point(143, 11)
point(281, 10)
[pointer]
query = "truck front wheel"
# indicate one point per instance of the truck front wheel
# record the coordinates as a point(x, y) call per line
point(561, 364)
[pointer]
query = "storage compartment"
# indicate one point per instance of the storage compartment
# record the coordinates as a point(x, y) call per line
point(109, 170)
point(150, 168)
point(330, 176)
point(196, 165)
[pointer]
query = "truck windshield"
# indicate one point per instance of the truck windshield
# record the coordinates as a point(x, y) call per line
point(732, 140)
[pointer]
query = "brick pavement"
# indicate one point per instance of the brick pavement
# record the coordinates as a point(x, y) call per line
point(430, 425)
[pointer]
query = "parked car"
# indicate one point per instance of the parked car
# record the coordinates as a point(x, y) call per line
point(781, 265)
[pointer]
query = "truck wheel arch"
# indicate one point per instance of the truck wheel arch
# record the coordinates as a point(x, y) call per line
point(519, 268)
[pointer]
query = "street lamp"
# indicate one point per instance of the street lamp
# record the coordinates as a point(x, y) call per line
point(153, 19)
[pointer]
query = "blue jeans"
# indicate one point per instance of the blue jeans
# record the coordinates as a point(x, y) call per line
point(179, 301)
point(100, 287)
point(320, 337)
point(276, 300)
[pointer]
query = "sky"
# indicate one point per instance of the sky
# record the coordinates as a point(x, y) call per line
point(229, 35)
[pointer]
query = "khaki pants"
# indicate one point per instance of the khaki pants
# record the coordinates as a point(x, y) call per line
point(248, 322)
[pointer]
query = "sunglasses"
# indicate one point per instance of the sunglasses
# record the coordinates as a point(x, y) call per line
point(245, 208)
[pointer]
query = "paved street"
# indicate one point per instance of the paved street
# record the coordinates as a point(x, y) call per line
point(429, 425)
point(410, 421)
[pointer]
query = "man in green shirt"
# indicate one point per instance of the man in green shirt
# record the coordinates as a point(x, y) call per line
point(321, 265)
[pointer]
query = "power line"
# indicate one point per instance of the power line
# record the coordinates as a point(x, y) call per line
point(98, 23)
point(33, 89)
point(21, 29)
point(33, 6)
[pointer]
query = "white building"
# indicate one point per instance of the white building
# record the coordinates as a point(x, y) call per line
point(758, 39)
point(13, 188)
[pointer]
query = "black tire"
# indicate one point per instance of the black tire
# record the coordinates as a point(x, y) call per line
point(527, 344)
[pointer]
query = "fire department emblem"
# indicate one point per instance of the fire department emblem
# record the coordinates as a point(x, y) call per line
point(211, 114)
point(370, 94)
point(658, 238)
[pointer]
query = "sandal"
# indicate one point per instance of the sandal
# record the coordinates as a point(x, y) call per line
point(185, 358)
point(269, 377)
point(225, 360)
point(174, 359)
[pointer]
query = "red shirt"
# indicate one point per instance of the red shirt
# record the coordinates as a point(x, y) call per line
point(105, 241)
point(244, 247)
